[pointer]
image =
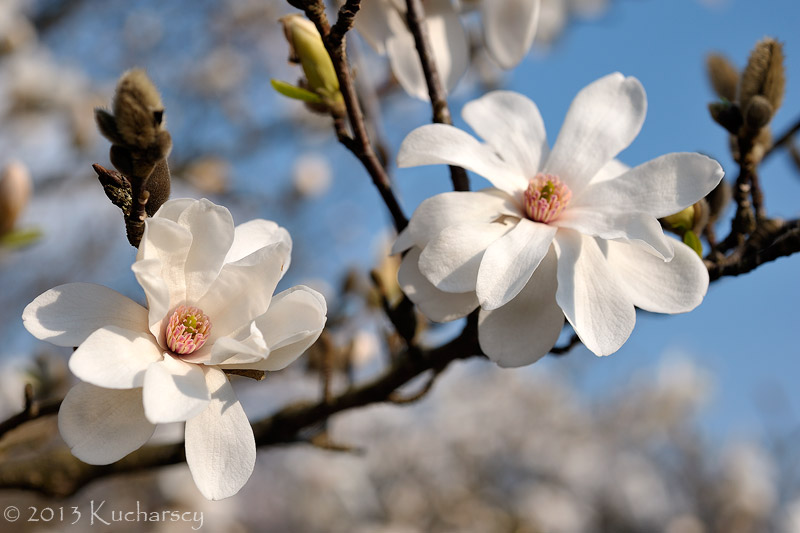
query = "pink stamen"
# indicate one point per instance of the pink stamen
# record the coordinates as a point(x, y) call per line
point(187, 330)
point(546, 197)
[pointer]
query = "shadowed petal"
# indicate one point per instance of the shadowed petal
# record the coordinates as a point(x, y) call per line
point(591, 295)
point(526, 328)
point(102, 426)
point(437, 305)
point(66, 315)
point(220, 447)
point(174, 391)
point(508, 28)
point(115, 358)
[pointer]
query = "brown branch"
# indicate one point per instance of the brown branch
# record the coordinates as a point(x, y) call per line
point(783, 139)
point(359, 144)
point(33, 410)
point(760, 249)
point(441, 112)
point(562, 350)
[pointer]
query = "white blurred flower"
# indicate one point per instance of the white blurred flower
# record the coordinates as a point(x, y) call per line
point(15, 192)
point(508, 26)
point(210, 308)
point(311, 175)
point(569, 232)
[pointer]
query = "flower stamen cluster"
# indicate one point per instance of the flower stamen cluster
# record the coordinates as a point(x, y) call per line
point(187, 330)
point(546, 197)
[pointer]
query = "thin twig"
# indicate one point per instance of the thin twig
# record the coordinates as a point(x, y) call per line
point(441, 112)
point(783, 139)
point(33, 410)
point(782, 242)
point(399, 399)
point(566, 348)
point(359, 143)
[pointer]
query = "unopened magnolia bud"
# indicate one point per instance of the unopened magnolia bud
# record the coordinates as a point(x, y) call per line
point(726, 114)
point(321, 85)
point(138, 110)
point(764, 74)
point(701, 216)
point(15, 191)
point(682, 220)
point(758, 112)
point(723, 75)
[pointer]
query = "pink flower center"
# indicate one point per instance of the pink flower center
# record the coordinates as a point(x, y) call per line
point(187, 330)
point(546, 197)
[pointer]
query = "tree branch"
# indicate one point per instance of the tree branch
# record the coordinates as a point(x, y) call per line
point(441, 112)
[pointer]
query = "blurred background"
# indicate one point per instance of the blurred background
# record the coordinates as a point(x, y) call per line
point(691, 427)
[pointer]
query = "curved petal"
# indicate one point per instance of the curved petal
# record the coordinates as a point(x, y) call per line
point(675, 286)
point(603, 119)
point(172, 209)
point(174, 391)
point(527, 327)
point(437, 305)
point(293, 322)
point(451, 260)
point(212, 235)
point(438, 212)
point(448, 42)
point(440, 144)
point(101, 426)
point(610, 170)
point(220, 447)
point(66, 315)
point(513, 127)
point(639, 228)
point(590, 294)
point(661, 187)
point(243, 290)
point(115, 358)
point(246, 346)
point(508, 29)
point(510, 261)
point(253, 235)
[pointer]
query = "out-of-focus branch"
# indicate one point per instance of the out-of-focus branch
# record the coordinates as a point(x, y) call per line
point(33, 410)
point(783, 139)
point(441, 111)
point(359, 143)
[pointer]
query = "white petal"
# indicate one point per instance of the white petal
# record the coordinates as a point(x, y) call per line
point(440, 144)
point(660, 187)
point(66, 315)
point(172, 209)
point(590, 294)
point(101, 426)
point(174, 391)
point(675, 286)
point(437, 305)
point(513, 127)
point(293, 322)
point(403, 242)
point(438, 212)
point(243, 290)
point(527, 327)
point(508, 28)
point(448, 42)
point(603, 119)
point(253, 235)
point(115, 358)
point(451, 260)
point(212, 235)
point(510, 261)
point(220, 447)
point(372, 23)
point(245, 346)
point(608, 223)
point(610, 170)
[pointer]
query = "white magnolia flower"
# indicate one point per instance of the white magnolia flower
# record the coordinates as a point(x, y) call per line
point(569, 232)
point(508, 26)
point(210, 307)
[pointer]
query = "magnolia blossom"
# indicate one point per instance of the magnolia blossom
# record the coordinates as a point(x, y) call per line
point(570, 232)
point(508, 27)
point(210, 308)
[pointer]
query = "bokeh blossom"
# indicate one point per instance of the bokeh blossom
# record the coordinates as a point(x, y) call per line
point(509, 27)
point(210, 308)
point(570, 232)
